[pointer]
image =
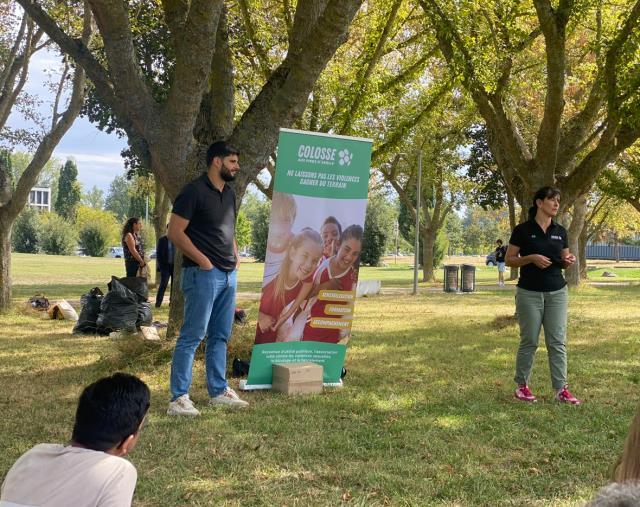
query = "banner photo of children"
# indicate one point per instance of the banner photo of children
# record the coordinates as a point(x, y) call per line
point(313, 252)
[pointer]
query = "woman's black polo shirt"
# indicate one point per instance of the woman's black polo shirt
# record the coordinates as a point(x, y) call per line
point(212, 221)
point(531, 239)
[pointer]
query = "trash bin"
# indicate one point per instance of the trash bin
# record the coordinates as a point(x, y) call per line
point(468, 278)
point(451, 278)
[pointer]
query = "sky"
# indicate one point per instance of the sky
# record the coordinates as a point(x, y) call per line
point(96, 153)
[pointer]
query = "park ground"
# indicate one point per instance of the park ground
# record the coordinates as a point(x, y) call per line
point(426, 415)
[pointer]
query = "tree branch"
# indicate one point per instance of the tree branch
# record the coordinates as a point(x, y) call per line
point(43, 153)
point(361, 83)
point(263, 59)
point(79, 52)
point(284, 97)
point(192, 69)
point(113, 22)
point(553, 25)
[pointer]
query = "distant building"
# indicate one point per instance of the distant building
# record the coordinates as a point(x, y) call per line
point(40, 197)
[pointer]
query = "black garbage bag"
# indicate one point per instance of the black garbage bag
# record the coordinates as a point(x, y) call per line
point(137, 285)
point(87, 321)
point(118, 309)
point(145, 317)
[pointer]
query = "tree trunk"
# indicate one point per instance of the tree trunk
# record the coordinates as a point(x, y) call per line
point(582, 245)
point(572, 274)
point(5, 263)
point(176, 307)
point(428, 242)
point(514, 273)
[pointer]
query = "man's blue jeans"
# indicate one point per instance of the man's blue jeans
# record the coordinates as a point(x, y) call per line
point(209, 305)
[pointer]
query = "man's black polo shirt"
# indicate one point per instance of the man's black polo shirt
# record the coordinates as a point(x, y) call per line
point(531, 239)
point(212, 221)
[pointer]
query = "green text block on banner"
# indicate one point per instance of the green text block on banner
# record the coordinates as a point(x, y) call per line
point(319, 165)
point(312, 256)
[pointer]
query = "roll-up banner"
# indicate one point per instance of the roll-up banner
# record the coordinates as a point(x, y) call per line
point(313, 253)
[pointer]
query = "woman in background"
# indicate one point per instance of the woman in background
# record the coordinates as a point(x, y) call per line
point(132, 246)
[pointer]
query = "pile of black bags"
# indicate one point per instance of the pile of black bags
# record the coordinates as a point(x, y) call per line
point(123, 308)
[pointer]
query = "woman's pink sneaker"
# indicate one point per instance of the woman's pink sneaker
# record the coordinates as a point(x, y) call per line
point(564, 396)
point(523, 393)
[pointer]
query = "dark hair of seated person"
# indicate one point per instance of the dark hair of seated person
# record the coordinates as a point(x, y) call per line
point(110, 410)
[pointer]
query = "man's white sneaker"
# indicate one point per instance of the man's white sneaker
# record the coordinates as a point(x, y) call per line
point(228, 398)
point(183, 406)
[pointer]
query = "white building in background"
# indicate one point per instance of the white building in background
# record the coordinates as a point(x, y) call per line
point(40, 197)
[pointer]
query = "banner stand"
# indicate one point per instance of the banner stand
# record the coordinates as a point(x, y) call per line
point(257, 387)
point(316, 230)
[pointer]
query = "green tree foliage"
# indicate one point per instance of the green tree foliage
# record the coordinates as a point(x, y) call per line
point(259, 218)
point(58, 236)
point(94, 241)
point(26, 231)
point(69, 191)
point(243, 230)
point(622, 181)
point(489, 189)
point(118, 197)
point(94, 198)
point(378, 228)
point(48, 177)
point(481, 229)
point(106, 221)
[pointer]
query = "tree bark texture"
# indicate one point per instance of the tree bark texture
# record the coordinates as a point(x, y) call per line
point(572, 273)
point(5, 262)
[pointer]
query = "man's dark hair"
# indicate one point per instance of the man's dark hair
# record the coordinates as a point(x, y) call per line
point(220, 149)
point(499, 241)
point(109, 410)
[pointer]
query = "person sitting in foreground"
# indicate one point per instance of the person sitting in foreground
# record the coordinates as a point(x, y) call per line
point(626, 494)
point(91, 470)
point(627, 468)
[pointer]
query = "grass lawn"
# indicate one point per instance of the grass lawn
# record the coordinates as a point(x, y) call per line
point(426, 416)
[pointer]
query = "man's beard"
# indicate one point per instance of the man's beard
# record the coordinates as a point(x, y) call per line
point(226, 174)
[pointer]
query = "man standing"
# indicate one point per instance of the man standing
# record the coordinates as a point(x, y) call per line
point(164, 252)
point(202, 227)
point(500, 254)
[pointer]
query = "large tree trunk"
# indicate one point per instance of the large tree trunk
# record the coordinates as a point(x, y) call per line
point(5, 262)
point(176, 307)
point(514, 273)
point(428, 242)
point(572, 274)
point(582, 245)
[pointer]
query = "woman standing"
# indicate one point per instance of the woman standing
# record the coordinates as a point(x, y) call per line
point(539, 247)
point(132, 246)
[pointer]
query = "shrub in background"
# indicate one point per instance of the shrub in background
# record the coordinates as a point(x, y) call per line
point(26, 231)
point(94, 240)
point(58, 237)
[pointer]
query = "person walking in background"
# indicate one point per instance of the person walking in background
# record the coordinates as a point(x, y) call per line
point(164, 260)
point(91, 471)
point(501, 251)
point(132, 246)
point(539, 247)
point(202, 227)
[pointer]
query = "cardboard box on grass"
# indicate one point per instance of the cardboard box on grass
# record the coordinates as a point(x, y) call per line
point(297, 378)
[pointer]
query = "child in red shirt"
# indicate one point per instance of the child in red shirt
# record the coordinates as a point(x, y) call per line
point(297, 268)
point(335, 273)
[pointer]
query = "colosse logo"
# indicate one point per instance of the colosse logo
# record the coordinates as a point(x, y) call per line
point(324, 156)
point(345, 157)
